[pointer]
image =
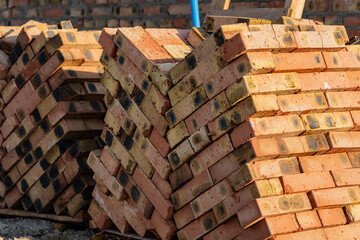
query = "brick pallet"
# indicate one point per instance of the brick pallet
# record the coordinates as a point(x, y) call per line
point(261, 139)
point(52, 116)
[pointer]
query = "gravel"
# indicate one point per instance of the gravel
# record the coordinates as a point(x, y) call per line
point(34, 229)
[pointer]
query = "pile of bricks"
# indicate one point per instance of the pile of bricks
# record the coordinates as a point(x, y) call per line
point(51, 117)
point(260, 139)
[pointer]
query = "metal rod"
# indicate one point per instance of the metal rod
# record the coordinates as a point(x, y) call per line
point(195, 13)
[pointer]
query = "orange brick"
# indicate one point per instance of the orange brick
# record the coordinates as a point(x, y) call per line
point(328, 81)
point(350, 231)
point(340, 61)
point(272, 206)
point(217, 150)
point(346, 177)
point(308, 41)
point(344, 141)
point(334, 197)
point(285, 38)
point(332, 29)
point(317, 234)
point(269, 227)
point(248, 41)
point(332, 217)
point(356, 119)
point(305, 62)
point(308, 220)
point(302, 103)
point(305, 182)
point(354, 78)
point(332, 40)
point(326, 162)
point(290, 125)
point(349, 100)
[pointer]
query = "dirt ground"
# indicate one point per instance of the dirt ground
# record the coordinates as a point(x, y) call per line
point(34, 229)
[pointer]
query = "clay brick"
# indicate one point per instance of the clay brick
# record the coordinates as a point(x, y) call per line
point(333, 41)
point(180, 176)
point(334, 197)
point(163, 206)
point(305, 182)
point(340, 61)
point(250, 63)
point(332, 217)
point(207, 113)
point(356, 119)
point(110, 161)
point(302, 103)
point(343, 232)
point(9, 125)
point(161, 78)
point(210, 198)
point(253, 106)
point(160, 143)
point(183, 216)
point(332, 29)
point(305, 62)
point(165, 229)
point(352, 212)
point(180, 154)
point(217, 150)
point(328, 81)
point(160, 101)
point(326, 162)
point(198, 228)
point(308, 41)
point(106, 41)
point(101, 219)
point(348, 100)
point(286, 39)
point(276, 83)
point(343, 141)
point(290, 125)
point(317, 234)
point(191, 190)
point(177, 134)
point(9, 90)
point(200, 139)
point(228, 230)
point(308, 220)
point(248, 41)
point(162, 185)
point(272, 206)
point(346, 177)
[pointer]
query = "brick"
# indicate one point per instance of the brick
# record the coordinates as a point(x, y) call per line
point(286, 39)
point(250, 63)
point(333, 41)
point(258, 189)
point(160, 143)
point(343, 100)
point(191, 190)
point(228, 230)
point(309, 181)
point(308, 41)
point(198, 227)
point(352, 212)
point(161, 78)
point(9, 125)
point(326, 162)
point(290, 125)
point(334, 197)
point(109, 181)
point(196, 36)
point(276, 83)
point(210, 198)
point(302, 103)
point(253, 106)
point(343, 232)
point(332, 29)
point(12, 197)
point(345, 177)
point(328, 81)
point(200, 139)
point(101, 219)
point(271, 226)
point(165, 229)
point(249, 41)
point(272, 206)
point(180, 154)
point(177, 134)
point(305, 62)
point(207, 113)
point(317, 234)
point(356, 119)
point(308, 220)
point(343, 141)
point(160, 102)
point(332, 217)
point(162, 185)
point(163, 206)
point(180, 176)
point(217, 150)
point(78, 202)
point(336, 61)
point(9, 91)
point(110, 161)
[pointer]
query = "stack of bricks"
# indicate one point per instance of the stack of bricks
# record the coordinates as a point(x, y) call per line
point(131, 172)
point(260, 139)
point(52, 116)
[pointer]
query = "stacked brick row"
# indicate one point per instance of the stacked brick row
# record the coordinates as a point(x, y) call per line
point(131, 172)
point(52, 116)
point(264, 134)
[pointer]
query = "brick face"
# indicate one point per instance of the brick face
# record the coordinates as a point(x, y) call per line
point(95, 14)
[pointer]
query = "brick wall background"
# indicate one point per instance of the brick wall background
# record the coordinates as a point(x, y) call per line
point(96, 14)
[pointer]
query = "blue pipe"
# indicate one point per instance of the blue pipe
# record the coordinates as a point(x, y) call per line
point(195, 13)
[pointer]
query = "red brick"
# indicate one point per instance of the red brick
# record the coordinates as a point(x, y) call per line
point(327, 162)
point(54, 12)
point(332, 217)
point(228, 230)
point(9, 125)
point(334, 197)
point(183, 216)
point(110, 161)
point(160, 143)
point(165, 229)
point(99, 216)
point(198, 227)
point(162, 185)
